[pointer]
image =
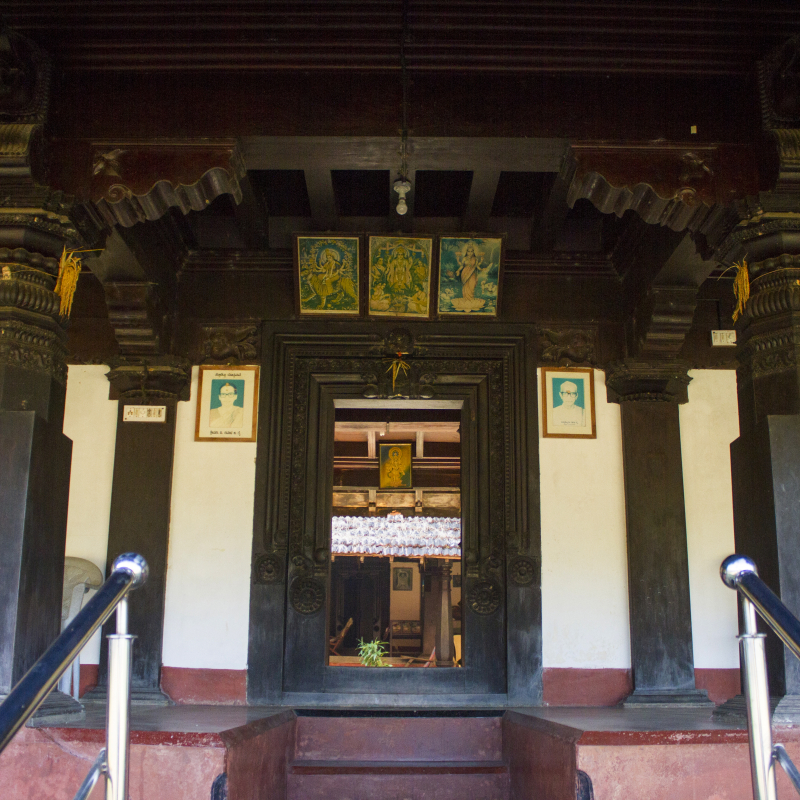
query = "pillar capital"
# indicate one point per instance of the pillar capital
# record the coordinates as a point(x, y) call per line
point(151, 379)
point(638, 380)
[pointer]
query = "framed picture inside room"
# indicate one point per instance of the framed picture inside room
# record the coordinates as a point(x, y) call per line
point(568, 403)
point(227, 404)
point(394, 461)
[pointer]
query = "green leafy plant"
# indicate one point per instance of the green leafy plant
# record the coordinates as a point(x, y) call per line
point(372, 653)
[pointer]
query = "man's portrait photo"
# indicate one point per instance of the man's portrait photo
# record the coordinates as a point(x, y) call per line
point(227, 401)
point(568, 403)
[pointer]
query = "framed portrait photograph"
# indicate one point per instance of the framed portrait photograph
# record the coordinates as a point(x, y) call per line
point(326, 272)
point(470, 271)
point(399, 271)
point(394, 461)
point(568, 403)
point(227, 404)
point(403, 581)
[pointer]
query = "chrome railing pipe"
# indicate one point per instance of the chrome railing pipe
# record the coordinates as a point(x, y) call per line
point(756, 690)
point(129, 571)
point(120, 648)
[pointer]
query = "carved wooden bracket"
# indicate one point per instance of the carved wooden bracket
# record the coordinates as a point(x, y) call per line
point(137, 181)
point(661, 321)
point(136, 313)
point(683, 186)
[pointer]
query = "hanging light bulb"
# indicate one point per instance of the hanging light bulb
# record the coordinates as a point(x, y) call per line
point(402, 187)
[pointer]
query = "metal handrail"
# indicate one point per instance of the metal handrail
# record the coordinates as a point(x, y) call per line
point(740, 573)
point(129, 572)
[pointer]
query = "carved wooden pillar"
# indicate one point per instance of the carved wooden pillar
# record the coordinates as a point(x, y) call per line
point(658, 565)
point(430, 609)
point(140, 505)
point(765, 459)
point(35, 456)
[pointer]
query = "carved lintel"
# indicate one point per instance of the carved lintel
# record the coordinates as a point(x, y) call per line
point(779, 85)
point(230, 343)
point(769, 332)
point(661, 321)
point(568, 346)
point(25, 72)
point(31, 332)
point(635, 380)
point(148, 380)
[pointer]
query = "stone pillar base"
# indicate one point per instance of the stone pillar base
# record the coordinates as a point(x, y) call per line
point(689, 698)
point(139, 696)
point(57, 707)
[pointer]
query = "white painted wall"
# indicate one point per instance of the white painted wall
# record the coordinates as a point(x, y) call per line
point(584, 570)
point(709, 423)
point(90, 420)
point(211, 532)
point(584, 562)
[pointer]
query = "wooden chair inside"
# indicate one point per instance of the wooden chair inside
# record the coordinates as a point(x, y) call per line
point(335, 641)
point(430, 661)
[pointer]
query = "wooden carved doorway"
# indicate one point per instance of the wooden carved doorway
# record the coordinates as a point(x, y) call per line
point(490, 378)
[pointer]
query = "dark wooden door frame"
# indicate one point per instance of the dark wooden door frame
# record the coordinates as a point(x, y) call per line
point(490, 371)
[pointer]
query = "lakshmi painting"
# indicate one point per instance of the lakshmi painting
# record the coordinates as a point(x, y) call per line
point(400, 276)
point(469, 275)
point(327, 275)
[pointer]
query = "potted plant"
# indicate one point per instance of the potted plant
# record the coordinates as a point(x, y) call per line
point(372, 653)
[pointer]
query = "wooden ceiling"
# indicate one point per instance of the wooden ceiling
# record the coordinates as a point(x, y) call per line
point(578, 36)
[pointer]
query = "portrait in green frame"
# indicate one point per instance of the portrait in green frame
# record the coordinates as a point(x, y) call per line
point(469, 275)
point(400, 276)
point(395, 466)
point(326, 269)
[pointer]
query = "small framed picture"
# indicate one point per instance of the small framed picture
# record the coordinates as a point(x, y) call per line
point(327, 279)
point(400, 276)
point(568, 403)
point(395, 466)
point(227, 404)
point(402, 581)
point(470, 271)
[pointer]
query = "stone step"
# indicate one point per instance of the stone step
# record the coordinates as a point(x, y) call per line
point(399, 738)
point(397, 780)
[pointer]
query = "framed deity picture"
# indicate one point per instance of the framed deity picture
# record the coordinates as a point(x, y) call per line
point(327, 275)
point(395, 466)
point(227, 404)
point(568, 403)
point(400, 276)
point(403, 581)
point(470, 271)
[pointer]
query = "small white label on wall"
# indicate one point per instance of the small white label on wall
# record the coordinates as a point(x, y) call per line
point(144, 414)
point(723, 338)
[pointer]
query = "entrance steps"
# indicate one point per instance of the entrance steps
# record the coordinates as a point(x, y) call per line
point(403, 756)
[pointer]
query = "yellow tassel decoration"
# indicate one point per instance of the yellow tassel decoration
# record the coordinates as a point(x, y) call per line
point(69, 269)
point(741, 288)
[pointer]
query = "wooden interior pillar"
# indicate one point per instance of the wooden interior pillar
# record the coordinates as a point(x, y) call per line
point(445, 650)
point(140, 507)
point(430, 608)
point(658, 565)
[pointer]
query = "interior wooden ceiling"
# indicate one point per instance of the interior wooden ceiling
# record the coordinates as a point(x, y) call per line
point(579, 36)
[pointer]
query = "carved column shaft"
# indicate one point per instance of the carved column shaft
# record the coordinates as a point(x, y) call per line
point(658, 563)
point(140, 505)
